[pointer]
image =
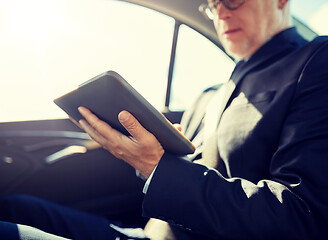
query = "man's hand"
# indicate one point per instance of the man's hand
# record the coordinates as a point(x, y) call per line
point(141, 150)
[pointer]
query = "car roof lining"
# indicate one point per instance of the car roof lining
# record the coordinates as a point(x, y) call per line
point(186, 12)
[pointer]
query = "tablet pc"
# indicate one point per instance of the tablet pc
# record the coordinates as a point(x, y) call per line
point(107, 94)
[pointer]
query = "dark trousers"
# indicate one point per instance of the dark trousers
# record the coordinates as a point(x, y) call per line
point(50, 218)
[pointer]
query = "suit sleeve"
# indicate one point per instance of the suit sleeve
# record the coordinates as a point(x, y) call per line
point(291, 204)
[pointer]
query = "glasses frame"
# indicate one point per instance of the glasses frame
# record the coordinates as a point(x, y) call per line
point(209, 9)
point(214, 4)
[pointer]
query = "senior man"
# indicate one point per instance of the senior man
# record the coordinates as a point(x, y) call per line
point(259, 171)
point(266, 149)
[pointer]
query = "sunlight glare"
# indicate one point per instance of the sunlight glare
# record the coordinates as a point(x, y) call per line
point(319, 20)
point(50, 47)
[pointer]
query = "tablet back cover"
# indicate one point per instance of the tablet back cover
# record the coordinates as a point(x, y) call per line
point(108, 94)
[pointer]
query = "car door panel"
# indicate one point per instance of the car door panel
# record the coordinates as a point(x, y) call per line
point(94, 181)
point(52, 159)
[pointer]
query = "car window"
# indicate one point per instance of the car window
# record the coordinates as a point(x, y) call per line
point(50, 47)
point(199, 64)
point(312, 13)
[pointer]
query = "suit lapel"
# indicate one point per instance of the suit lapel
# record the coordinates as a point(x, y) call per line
point(192, 119)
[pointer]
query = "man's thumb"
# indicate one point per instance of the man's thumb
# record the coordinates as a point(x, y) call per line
point(130, 124)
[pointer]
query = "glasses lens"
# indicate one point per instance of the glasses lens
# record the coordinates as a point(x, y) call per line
point(230, 4)
point(233, 4)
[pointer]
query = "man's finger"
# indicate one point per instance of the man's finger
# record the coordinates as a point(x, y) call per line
point(178, 126)
point(132, 125)
point(92, 132)
point(98, 126)
point(92, 119)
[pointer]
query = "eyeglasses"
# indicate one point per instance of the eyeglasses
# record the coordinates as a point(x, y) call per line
point(210, 9)
point(229, 4)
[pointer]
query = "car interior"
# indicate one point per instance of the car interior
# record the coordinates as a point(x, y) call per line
point(55, 160)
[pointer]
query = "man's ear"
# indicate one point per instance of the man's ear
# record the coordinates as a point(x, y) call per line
point(282, 3)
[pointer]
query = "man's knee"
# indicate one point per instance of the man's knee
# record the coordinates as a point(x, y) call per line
point(13, 206)
point(8, 231)
point(17, 200)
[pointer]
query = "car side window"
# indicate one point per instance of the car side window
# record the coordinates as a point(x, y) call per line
point(313, 14)
point(199, 64)
point(49, 48)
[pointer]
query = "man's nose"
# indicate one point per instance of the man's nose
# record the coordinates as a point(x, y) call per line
point(222, 11)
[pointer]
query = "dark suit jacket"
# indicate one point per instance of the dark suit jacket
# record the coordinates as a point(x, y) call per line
point(271, 180)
